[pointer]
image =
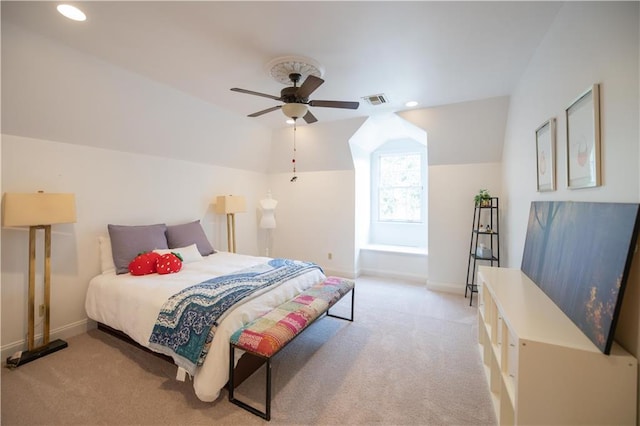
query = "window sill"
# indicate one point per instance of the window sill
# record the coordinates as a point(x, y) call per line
point(395, 249)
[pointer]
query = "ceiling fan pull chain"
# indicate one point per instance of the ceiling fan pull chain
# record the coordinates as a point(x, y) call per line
point(294, 178)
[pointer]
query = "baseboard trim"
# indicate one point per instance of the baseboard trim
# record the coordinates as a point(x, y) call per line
point(446, 287)
point(63, 332)
point(392, 274)
point(344, 274)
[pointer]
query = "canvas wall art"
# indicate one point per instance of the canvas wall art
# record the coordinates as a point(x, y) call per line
point(580, 254)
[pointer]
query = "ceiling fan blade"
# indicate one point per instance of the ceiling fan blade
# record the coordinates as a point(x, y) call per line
point(264, 111)
point(309, 118)
point(335, 104)
point(251, 92)
point(310, 84)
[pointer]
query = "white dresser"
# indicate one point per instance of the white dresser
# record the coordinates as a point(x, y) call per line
point(540, 367)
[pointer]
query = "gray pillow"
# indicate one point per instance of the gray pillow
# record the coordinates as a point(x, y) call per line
point(189, 233)
point(129, 241)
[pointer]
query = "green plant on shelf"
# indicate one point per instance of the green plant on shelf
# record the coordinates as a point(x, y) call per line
point(483, 198)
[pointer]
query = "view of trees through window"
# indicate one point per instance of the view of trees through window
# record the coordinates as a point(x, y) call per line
point(400, 187)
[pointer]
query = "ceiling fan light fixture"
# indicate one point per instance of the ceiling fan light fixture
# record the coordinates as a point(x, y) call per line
point(295, 110)
point(296, 98)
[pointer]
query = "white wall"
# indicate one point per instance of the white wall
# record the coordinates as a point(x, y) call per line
point(588, 43)
point(110, 187)
point(316, 214)
point(451, 207)
point(362, 209)
point(315, 217)
point(53, 92)
point(403, 264)
point(463, 133)
point(464, 144)
point(321, 146)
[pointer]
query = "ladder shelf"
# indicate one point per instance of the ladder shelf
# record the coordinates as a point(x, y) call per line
point(484, 247)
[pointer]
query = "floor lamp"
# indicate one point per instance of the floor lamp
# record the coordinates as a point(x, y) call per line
point(38, 211)
point(230, 205)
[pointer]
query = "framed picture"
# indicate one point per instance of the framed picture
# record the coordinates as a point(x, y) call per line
point(583, 140)
point(545, 156)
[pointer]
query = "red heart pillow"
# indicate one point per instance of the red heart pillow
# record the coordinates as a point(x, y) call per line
point(144, 264)
point(169, 263)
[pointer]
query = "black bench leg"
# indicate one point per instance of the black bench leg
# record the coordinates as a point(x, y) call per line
point(268, 401)
point(231, 372)
point(353, 292)
point(267, 413)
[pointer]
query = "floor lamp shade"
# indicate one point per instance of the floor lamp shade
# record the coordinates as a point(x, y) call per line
point(230, 205)
point(38, 211)
point(38, 208)
point(226, 204)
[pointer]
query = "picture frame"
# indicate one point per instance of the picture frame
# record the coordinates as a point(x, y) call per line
point(583, 140)
point(545, 156)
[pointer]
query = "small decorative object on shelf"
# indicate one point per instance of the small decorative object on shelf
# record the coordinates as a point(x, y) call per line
point(484, 247)
point(483, 251)
point(483, 198)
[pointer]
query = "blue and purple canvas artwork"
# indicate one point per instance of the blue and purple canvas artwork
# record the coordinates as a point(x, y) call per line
point(579, 254)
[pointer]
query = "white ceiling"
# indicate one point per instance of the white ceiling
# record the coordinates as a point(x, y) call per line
point(433, 52)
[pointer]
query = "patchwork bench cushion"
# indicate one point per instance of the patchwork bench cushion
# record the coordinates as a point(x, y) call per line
point(266, 335)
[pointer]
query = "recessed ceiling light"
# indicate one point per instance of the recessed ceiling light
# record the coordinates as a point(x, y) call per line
point(290, 121)
point(71, 12)
point(411, 104)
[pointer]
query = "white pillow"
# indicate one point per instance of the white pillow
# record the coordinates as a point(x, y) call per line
point(106, 256)
point(189, 253)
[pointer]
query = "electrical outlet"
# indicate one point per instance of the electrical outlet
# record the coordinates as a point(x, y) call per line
point(329, 256)
point(41, 310)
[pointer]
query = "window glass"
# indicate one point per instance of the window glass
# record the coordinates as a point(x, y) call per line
point(400, 187)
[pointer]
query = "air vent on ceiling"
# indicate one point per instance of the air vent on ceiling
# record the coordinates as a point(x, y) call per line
point(378, 99)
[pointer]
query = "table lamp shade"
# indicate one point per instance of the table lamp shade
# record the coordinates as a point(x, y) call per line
point(38, 208)
point(230, 204)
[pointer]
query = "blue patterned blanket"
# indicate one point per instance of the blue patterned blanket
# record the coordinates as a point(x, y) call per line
point(188, 321)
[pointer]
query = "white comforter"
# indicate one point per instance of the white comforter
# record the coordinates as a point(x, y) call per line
point(131, 304)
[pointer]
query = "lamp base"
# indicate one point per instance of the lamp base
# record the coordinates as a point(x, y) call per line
point(28, 356)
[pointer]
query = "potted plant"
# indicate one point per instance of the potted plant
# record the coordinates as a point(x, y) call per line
point(483, 198)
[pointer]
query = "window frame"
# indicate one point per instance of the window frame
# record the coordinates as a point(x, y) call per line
point(375, 181)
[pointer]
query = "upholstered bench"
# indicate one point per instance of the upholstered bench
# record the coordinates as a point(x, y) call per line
point(267, 335)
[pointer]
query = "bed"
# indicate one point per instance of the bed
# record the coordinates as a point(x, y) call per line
point(130, 304)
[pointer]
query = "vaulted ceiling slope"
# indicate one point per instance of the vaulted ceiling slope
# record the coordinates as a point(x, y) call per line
point(436, 53)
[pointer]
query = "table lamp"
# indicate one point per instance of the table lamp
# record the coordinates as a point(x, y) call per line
point(230, 205)
point(38, 211)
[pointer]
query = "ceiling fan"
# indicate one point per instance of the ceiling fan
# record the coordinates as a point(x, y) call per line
point(296, 99)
